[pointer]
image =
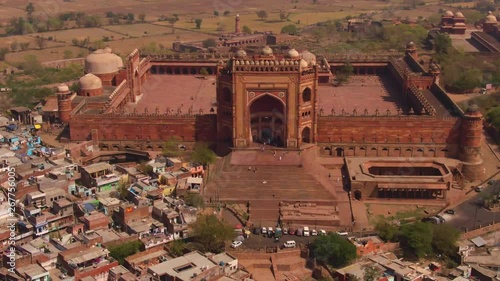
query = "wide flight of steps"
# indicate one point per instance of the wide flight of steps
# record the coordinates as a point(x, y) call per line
point(272, 182)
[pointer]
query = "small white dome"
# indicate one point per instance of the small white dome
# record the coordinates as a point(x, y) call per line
point(303, 63)
point(62, 88)
point(490, 18)
point(90, 82)
point(266, 51)
point(103, 62)
point(293, 53)
point(448, 13)
point(459, 15)
point(241, 54)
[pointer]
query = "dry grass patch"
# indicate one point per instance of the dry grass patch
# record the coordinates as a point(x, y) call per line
point(137, 30)
point(43, 55)
point(82, 33)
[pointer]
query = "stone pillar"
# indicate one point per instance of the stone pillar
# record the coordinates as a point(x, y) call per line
point(237, 28)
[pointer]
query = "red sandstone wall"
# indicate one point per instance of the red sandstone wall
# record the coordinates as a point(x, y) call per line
point(154, 128)
point(387, 130)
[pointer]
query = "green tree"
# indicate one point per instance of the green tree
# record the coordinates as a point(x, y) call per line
point(142, 17)
point(289, 29)
point(68, 54)
point(370, 273)
point(216, 13)
point(110, 14)
point(31, 65)
point(123, 250)
point(226, 13)
point(177, 247)
point(493, 116)
point(442, 43)
point(333, 250)
point(195, 200)
point(485, 6)
point(416, 239)
point(14, 45)
point(210, 234)
point(344, 72)
point(444, 239)
point(386, 230)
point(247, 30)
point(122, 188)
point(171, 148)
point(198, 23)
point(3, 53)
point(54, 23)
point(172, 20)
point(262, 14)
point(130, 18)
point(203, 71)
point(203, 154)
point(209, 43)
point(30, 8)
point(461, 71)
point(24, 45)
point(145, 168)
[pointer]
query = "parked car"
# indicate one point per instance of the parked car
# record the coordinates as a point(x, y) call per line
point(306, 232)
point(450, 211)
point(285, 231)
point(264, 230)
point(322, 232)
point(314, 232)
point(491, 182)
point(289, 244)
point(479, 188)
point(236, 244)
point(256, 231)
point(299, 232)
point(291, 231)
point(440, 218)
point(342, 233)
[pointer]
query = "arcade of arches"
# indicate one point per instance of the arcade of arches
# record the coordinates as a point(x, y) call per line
point(267, 121)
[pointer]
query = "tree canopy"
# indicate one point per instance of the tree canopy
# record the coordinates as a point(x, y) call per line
point(203, 154)
point(262, 14)
point(209, 43)
point(198, 22)
point(210, 234)
point(121, 251)
point(416, 238)
point(444, 239)
point(386, 230)
point(290, 29)
point(171, 148)
point(333, 250)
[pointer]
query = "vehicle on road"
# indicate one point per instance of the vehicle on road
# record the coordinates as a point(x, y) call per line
point(491, 182)
point(278, 233)
point(450, 211)
point(322, 232)
point(306, 232)
point(314, 232)
point(342, 233)
point(236, 244)
point(440, 218)
point(434, 220)
point(289, 244)
point(479, 188)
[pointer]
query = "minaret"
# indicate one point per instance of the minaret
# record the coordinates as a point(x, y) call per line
point(471, 134)
point(64, 102)
point(237, 28)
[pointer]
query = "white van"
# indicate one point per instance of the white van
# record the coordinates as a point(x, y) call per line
point(289, 244)
point(306, 231)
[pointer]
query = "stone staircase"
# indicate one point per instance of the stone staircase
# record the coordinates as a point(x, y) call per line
point(267, 182)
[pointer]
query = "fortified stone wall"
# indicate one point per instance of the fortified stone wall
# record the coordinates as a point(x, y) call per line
point(149, 127)
point(384, 130)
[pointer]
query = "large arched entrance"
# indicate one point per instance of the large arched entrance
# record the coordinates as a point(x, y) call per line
point(267, 123)
point(306, 135)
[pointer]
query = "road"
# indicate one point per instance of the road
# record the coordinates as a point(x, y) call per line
point(470, 214)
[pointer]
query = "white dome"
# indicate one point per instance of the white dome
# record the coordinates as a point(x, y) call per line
point(107, 50)
point(293, 53)
point(62, 88)
point(303, 63)
point(490, 18)
point(266, 51)
point(103, 62)
point(459, 15)
point(241, 53)
point(448, 13)
point(90, 82)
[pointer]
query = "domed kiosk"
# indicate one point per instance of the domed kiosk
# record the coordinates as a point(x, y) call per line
point(266, 51)
point(104, 64)
point(90, 86)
